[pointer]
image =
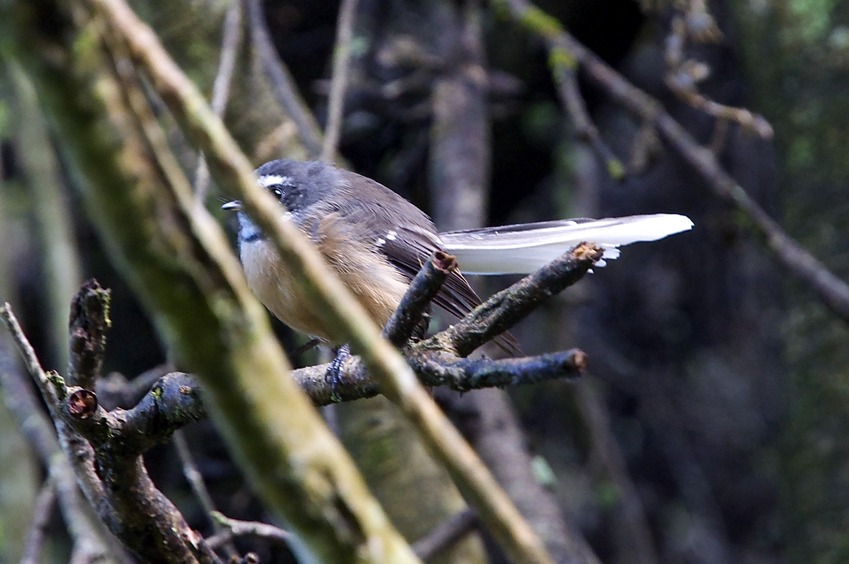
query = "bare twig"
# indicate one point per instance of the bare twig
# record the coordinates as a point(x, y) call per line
point(41, 513)
point(173, 402)
point(833, 291)
point(437, 368)
point(508, 307)
point(127, 487)
point(195, 479)
point(133, 507)
point(283, 85)
point(339, 80)
point(445, 535)
point(127, 500)
point(684, 75)
point(466, 374)
point(434, 368)
point(566, 79)
point(233, 528)
point(231, 37)
point(423, 288)
point(31, 361)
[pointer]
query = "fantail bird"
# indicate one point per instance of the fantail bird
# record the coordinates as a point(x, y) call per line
point(376, 242)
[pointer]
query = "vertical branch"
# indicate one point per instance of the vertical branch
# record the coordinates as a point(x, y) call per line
point(89, 321)
point(460, 153)
point(339, 81)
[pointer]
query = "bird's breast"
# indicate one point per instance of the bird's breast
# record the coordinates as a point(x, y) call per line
point(377, 285)
point(279, 290)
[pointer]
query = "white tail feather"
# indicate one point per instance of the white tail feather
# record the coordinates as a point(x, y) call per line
point(521, 249)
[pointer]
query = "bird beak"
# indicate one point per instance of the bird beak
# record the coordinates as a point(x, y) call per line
point(234, 205)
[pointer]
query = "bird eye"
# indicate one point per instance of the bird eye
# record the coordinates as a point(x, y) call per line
point(276, 191)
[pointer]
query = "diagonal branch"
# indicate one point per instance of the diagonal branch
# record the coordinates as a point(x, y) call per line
point(565, 75)
point(508, 307)
point(282, 82)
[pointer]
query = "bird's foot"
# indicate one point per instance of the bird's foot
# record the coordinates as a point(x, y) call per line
point(333, 376)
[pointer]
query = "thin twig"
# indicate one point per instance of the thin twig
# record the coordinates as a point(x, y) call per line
point(42, 511)
point(685, 74)
point(339, 79)
point(445, 535)
point(31, 361)
point(195, 479)
point(231, 37)
point(437, 368)
point(129, 488)
point(235, 528)
point(566, 79)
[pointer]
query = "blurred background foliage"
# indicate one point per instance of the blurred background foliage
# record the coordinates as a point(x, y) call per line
point(717, 392)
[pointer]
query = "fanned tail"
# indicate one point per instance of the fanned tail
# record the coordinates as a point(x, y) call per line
point(520, 249)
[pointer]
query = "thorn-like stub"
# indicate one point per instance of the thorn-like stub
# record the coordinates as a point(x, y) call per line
point(580, 360)
point(444, 262)
point(588, 251)
point(82, 404)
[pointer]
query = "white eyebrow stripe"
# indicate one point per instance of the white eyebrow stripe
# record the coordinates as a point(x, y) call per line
point(271, 179)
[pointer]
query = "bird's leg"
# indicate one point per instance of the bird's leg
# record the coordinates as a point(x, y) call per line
point(333, 376)
point(305, 348)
